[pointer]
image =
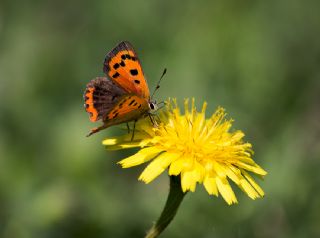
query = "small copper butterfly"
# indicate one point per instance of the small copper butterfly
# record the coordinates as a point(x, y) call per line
point(123, 95)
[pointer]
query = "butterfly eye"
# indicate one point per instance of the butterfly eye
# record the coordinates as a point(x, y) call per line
point(153, 106)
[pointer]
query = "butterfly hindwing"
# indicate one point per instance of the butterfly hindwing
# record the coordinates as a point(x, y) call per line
point(123, 67)
point(100, 97)
point(128, 108)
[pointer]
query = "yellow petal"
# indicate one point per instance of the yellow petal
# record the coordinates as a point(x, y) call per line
point(125, 139)
point(199, 122)
point(256, 168)
point(248, 189)
point(235, 177)
point(123, 146)
point(186, 107)
point(226, 190)
point(188, 181)
point(157, 166)
point(210, 185)
point(253, 183)
point(190, 178)
point(111, 141)
point(246, 159)
point(176, 167)
point(142, 156)
point(219, 169)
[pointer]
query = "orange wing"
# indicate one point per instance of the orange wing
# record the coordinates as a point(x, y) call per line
point(128, 108)
point(123, 67)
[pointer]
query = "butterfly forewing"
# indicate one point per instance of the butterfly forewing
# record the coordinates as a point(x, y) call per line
point(123, 67)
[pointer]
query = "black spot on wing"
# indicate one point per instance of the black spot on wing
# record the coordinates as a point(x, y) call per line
point(137, 81)
point(133, 72)
point(122, 63)
point(116, 66)
point(126, 56)
point(116, 75)
point(122, 46)
point(132, 102)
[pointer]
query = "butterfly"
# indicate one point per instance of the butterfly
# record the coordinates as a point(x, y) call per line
point(123, 96)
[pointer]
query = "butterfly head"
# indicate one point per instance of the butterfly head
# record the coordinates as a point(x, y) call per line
point(153, 106)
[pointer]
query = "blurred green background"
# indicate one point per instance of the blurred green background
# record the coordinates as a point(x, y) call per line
point(258, 59)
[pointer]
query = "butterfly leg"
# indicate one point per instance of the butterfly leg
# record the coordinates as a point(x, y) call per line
point(154, 123)
point(158, 118)
point(134, 128)
point(96, 129)
point(128, 128)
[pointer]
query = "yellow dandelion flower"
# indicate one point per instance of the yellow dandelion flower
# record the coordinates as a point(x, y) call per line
point(200, 150)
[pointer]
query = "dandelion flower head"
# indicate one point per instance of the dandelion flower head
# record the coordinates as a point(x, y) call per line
point(201, 150)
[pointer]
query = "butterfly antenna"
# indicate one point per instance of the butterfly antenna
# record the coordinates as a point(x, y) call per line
point(158, 84)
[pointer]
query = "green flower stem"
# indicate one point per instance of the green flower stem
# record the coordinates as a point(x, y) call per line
point(174, 199)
